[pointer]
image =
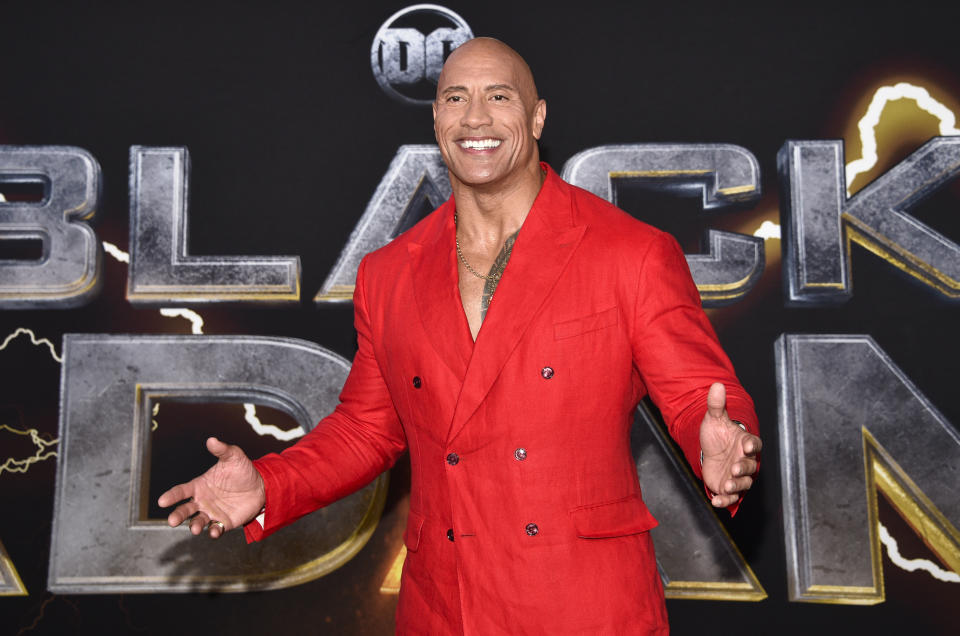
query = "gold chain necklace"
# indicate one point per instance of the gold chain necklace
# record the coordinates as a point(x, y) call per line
point(495, 277)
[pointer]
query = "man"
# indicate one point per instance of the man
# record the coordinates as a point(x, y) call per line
point(505, 341)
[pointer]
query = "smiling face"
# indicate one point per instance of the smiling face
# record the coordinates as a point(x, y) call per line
point(487, 118)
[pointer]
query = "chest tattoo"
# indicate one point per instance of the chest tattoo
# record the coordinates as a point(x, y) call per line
point(497, 268)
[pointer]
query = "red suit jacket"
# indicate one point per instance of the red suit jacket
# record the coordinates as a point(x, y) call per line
point(526, 515)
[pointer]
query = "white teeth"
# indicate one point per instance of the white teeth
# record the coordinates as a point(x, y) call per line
point(480, 144)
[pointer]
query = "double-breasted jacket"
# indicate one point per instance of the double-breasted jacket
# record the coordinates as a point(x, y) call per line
point(526, 515)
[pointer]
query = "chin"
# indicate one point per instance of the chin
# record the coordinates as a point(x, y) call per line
point(475, 176)
point(476, 180)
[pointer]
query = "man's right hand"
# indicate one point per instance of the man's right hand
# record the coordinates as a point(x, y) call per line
point(231, 493)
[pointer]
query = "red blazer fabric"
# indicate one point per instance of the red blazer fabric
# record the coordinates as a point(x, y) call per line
point(519, 442)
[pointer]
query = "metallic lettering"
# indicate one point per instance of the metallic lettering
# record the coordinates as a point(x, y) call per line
point(403, 52)
point(820, 220)
point(103, 541)
point(405, 58)
point(161, 270)
point(68, 272)
point(850, 423)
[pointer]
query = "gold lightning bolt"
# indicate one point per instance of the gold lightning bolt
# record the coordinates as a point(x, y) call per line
point(13, 465)
point(23, 331)
point(871, 119)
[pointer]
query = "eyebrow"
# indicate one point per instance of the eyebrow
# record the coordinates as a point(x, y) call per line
point(491, 87)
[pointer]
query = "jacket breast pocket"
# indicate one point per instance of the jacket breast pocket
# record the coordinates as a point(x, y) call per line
point(411, 536)
point(586, 324)
point(617, 518)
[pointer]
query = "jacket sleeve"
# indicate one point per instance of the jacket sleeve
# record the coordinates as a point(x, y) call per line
point(677, 352)
point(345, 451)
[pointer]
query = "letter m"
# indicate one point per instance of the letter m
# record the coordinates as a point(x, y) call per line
point(852, 423)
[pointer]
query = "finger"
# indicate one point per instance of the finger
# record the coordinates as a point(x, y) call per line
point(751, 445)
point(217, 448)
point(175, 494)
point(746, 466)
point(717, 400)
point(736, 485)
point(182, 513)
point(198, 523)
point(722, 501)
point(216, 530)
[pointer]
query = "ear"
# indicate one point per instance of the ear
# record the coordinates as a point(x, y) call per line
point(539, 118)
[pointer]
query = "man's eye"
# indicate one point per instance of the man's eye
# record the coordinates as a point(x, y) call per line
point(455, 98)
point(499, 98)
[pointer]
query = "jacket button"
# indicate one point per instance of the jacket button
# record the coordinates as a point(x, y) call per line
point(416, 382)
point(453, 459)
point(520, 454)
point(450, 534)
point(531, 529)
point(546, 373)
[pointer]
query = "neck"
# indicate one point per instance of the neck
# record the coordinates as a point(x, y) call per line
point(489, 213)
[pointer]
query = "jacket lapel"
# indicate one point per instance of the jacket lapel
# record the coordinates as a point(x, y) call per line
point(434, 272)
point(543, 248)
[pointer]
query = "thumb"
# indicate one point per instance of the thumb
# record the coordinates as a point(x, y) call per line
point(717, 400)
point(217, 448)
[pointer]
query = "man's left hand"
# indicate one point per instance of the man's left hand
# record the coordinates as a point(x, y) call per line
point(729, 452)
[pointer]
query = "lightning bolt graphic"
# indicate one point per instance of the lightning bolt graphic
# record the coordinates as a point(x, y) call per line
point(12, 464)
point(23, 331)
point(868, 127)
point(116, 252)
point(196, 320)
point(868, 123)
point(768, 230)
point(250, 415)
point(912, 565)
point(43, 452)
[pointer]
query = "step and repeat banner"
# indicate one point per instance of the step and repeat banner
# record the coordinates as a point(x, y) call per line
point(188, 189)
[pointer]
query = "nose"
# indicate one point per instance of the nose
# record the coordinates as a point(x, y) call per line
point(476, 114)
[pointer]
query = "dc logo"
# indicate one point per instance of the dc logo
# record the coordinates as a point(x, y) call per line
point(410, 48)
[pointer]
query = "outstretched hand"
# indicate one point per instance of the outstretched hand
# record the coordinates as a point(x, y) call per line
point(729, 452)
point(230, 493)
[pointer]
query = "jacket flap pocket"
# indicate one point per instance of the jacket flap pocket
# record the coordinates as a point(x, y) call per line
point(411, 536)
point(577, 326)
point(613, 519)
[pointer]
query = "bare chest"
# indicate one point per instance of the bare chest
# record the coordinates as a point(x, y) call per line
point(476, 287)
point(471, 296)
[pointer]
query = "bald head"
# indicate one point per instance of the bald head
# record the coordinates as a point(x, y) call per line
point(487, 119)
point(489, 51)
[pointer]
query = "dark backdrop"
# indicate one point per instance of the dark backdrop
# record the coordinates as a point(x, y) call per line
point(290, 134)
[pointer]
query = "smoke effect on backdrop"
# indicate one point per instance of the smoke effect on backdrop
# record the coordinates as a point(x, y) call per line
point(188, 188)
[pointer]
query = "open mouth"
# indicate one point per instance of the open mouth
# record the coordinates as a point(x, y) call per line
point(487, 143)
